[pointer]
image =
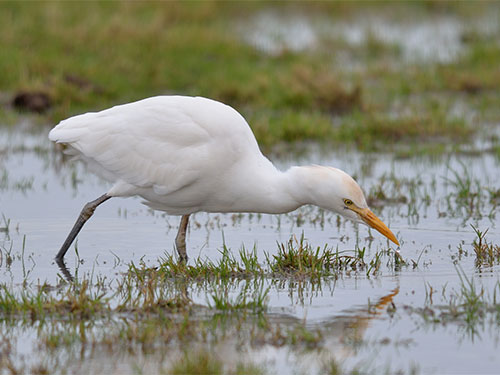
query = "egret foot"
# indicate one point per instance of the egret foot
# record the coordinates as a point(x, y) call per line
point(65, 271)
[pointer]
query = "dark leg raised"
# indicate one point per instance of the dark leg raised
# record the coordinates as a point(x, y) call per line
point(86, 213)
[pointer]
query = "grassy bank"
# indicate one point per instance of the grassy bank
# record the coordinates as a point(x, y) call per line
point(88, 56)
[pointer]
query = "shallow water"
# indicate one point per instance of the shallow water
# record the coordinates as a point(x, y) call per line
point(41, 194)
point(436, 39)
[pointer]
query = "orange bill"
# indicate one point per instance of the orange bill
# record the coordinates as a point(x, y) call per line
point(373, 221)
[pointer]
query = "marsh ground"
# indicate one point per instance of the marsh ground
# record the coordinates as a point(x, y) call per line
point(405, 98)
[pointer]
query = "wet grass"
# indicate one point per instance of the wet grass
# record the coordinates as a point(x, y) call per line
point(291, 96)
point(197, 363)
point(456, 194)
point(471, 306)
point(76, 302)
point(62, 326)
point(221, 308)
point(5, 225)
point(205, 362)
point(467, 195)
point(146, 309)
point(150, 290)
point(298, 259)
point(161, 308)
point(23, 185)
point(295, 259)
point(128, 337)
point(486, 253)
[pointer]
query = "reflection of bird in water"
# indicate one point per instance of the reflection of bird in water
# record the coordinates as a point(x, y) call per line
point(189, 154)
point(361, 322)
point(349, 330)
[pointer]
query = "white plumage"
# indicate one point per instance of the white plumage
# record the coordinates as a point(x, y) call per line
point(189, 154)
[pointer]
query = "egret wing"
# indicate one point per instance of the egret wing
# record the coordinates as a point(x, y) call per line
point(161, 144)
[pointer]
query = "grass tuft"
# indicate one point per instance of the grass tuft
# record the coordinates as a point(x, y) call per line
point(298, 258)
point(201, 362)
point(487, 254)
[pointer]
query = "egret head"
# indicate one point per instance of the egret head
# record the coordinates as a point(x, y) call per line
point(337, 191)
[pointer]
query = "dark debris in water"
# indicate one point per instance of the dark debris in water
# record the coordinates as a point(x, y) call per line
point(32, 101)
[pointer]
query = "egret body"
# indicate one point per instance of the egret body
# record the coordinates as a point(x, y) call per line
point(189, 154)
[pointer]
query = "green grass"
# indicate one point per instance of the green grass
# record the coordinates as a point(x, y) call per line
point(197, 363)
point(253, 296)
point(487, 254)
point(89, 57)
point(206, 362)
point(468, 198)
point(76, 302)
point(471, 307)
point(230, 284)
point(295, 259)
point(130, 318)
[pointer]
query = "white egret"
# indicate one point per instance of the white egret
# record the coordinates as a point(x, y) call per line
point(189, 154)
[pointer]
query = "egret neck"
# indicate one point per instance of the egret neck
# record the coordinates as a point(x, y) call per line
point(268, 190)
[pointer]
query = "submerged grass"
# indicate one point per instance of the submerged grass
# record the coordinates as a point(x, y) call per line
point(147, 307)
point(252, 296)
point(468, 198)
point(76, 302)
point(197, 363)
point(6, 225)
point(471, 306)
point(93, 319)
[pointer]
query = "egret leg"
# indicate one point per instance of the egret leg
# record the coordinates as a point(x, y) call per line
point(180, 240)
point(86, 213)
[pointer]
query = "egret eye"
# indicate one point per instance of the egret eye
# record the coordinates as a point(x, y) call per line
point(348, 202)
